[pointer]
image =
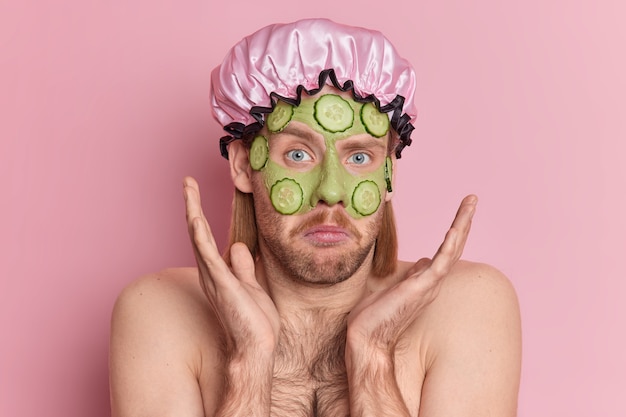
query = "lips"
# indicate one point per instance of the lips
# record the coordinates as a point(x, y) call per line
point(326, 235)
point(327, 224)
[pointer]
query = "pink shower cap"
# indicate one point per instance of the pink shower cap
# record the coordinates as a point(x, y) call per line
point(281, 61)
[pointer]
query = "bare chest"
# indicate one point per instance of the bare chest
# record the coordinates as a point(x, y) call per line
point(313, 382)
point(310, 380)
point(310, 374)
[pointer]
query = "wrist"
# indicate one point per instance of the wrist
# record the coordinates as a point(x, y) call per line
point(364, 361)
point(259, 364)
point(367, 352)
point(250, 350)
point(372, 384)
point(247, 386)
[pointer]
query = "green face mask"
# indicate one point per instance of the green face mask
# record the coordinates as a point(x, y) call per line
point(336, 118)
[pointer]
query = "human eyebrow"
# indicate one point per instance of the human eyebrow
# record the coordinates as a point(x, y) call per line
point(367, 143)
point(296, 131)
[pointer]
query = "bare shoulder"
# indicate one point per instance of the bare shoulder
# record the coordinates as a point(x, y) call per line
point(161, 290)
point(170, 300)
point(470, 287)
point(475, 300)
point(472, 343)
point(477, 287)
point(162, 338)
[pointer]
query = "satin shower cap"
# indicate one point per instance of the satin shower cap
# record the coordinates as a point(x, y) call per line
point(281, 61)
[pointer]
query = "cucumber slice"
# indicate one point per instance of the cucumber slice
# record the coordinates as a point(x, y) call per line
point(388, 173)
point(259, 152)
point(333, 113)
point(366, 198)
point(278, 119)
point(375, 122)
point(286, 196)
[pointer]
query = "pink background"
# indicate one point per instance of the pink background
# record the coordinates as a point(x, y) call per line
point(104, 110)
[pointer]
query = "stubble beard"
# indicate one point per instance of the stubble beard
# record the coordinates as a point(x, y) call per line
point(315, 264)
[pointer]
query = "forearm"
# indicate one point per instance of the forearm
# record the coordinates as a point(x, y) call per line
point(247, 388)
point(372, 383)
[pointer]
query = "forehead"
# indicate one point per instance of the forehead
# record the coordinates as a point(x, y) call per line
point(333, 114)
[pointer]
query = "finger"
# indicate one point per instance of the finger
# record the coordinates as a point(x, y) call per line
point(445, 257)
point(463, 218)
point(242, 263)
point(212, 267)
point(465, 211)
point(462, 222)
point(193, 204)
point(194, 208)
point(210, 262)
point(419, 267)
point(201, 251)
point(452, 247)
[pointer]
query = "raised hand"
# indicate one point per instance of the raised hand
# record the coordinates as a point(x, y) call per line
point(246, 313)
point(379, 320)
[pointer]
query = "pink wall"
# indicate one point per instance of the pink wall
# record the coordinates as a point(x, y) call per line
point(104, 109)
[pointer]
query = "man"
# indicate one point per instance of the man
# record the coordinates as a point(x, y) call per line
point(310, 313)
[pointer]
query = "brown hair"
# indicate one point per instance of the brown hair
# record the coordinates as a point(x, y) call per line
point(243, 229)
point(242, 224)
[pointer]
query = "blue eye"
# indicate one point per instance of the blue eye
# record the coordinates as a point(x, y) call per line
point(298, 155)
point(359, 158)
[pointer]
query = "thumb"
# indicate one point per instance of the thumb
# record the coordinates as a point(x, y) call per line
point(419, 267)
point(242, 263)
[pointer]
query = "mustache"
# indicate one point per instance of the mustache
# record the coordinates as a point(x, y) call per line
point(325, 217)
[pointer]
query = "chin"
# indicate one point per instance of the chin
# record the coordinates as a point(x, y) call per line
point(326, 265)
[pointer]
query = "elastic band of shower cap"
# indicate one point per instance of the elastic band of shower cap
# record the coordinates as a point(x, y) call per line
point(281, 61)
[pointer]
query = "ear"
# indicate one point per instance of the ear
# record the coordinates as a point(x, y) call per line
point(389, 194)
point(240, 170)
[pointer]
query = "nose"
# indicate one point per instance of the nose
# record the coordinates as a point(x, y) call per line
point(331, 186)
